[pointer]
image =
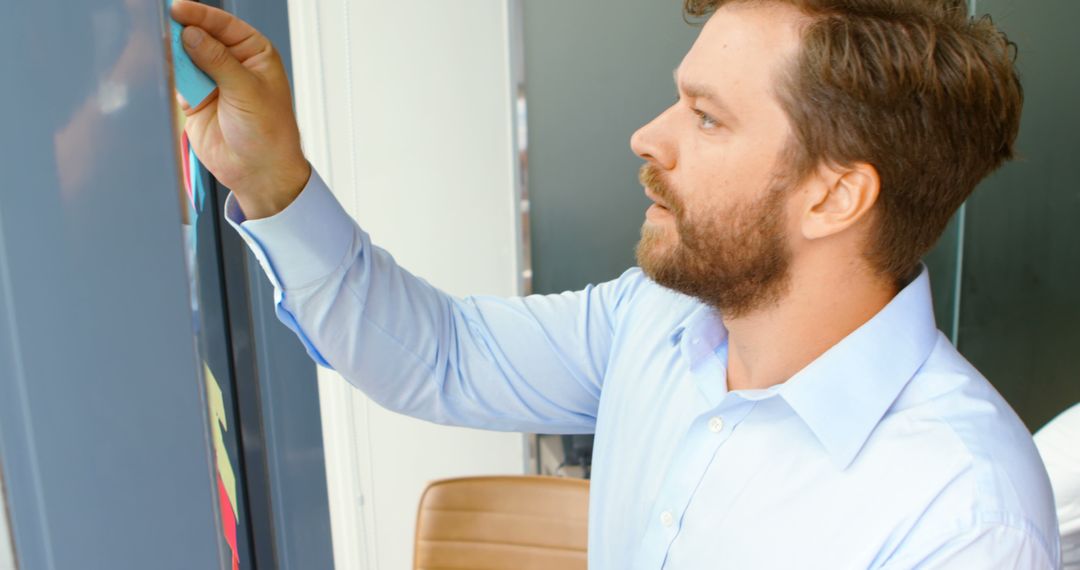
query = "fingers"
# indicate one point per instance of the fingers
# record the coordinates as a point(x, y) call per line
point(182, 102)
point(212, 57)
point(242, 40)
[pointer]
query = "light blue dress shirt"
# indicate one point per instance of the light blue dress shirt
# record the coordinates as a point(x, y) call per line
point(888, 451)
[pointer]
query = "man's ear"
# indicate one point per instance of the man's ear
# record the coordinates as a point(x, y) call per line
point(840, 198)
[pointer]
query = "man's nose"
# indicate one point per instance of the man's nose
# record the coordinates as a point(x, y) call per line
point(652, 142)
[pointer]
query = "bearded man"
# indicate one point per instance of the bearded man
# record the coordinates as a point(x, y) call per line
point(769, 388)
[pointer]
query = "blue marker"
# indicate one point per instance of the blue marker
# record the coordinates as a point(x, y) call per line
point(195, 85)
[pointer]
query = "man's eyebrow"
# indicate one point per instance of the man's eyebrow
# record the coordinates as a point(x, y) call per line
point(699, 91)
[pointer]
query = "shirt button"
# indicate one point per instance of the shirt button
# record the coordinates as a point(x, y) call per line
point(716, 425)
point(666, 518)
point(695, 341)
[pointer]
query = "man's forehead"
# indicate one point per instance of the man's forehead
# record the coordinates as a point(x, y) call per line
point(743, 42)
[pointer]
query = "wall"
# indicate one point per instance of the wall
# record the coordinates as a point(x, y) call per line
point(405, 109)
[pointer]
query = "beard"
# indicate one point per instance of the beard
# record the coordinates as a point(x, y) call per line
point(735, 260)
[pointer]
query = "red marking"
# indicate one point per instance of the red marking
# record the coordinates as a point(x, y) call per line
point(228, 521)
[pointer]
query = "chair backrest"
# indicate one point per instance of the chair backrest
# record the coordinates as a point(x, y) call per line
point(503, 523)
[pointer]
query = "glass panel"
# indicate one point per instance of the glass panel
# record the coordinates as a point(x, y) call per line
point(1020, 308)
point(7, 551)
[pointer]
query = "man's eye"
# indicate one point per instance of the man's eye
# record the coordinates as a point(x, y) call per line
point(707, 122)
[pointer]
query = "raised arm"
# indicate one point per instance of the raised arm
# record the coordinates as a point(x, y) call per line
point(521, 364)
point(532, 364)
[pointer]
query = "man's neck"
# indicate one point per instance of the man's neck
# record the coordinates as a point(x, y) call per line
point(769, 346)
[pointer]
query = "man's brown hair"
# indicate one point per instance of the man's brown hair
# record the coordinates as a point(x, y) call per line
point(916, 88)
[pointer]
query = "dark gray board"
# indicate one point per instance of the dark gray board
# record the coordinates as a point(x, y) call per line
point(103, 424)
point(595, 72)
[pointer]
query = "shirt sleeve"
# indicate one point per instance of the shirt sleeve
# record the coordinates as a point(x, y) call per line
point(986, 546)
point(532, 364)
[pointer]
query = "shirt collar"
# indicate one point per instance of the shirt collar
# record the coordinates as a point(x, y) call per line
point(702, 331)
point(844, 393)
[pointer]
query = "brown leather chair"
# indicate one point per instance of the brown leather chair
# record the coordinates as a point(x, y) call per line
point(503, 523)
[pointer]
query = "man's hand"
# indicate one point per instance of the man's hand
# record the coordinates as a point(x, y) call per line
point(246, 134)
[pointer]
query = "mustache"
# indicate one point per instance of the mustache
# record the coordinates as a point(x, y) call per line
point(650, 177)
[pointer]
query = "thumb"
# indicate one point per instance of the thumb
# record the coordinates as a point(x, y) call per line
point(214, 58)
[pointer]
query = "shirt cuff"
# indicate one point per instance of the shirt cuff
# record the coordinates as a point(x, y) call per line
point(302, 244)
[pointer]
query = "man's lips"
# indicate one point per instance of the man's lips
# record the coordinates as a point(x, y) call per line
point(659, 210)
point(652, 196)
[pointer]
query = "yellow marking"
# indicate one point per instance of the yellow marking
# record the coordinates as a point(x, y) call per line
point(219, 422)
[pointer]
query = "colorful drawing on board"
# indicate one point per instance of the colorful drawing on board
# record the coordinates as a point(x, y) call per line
point(194, 185)
point(193, 176)
point(226, 476)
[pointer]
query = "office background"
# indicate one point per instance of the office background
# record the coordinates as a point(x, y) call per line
point(485, 143)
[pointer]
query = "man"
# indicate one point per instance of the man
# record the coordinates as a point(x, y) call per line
point(769, 389)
